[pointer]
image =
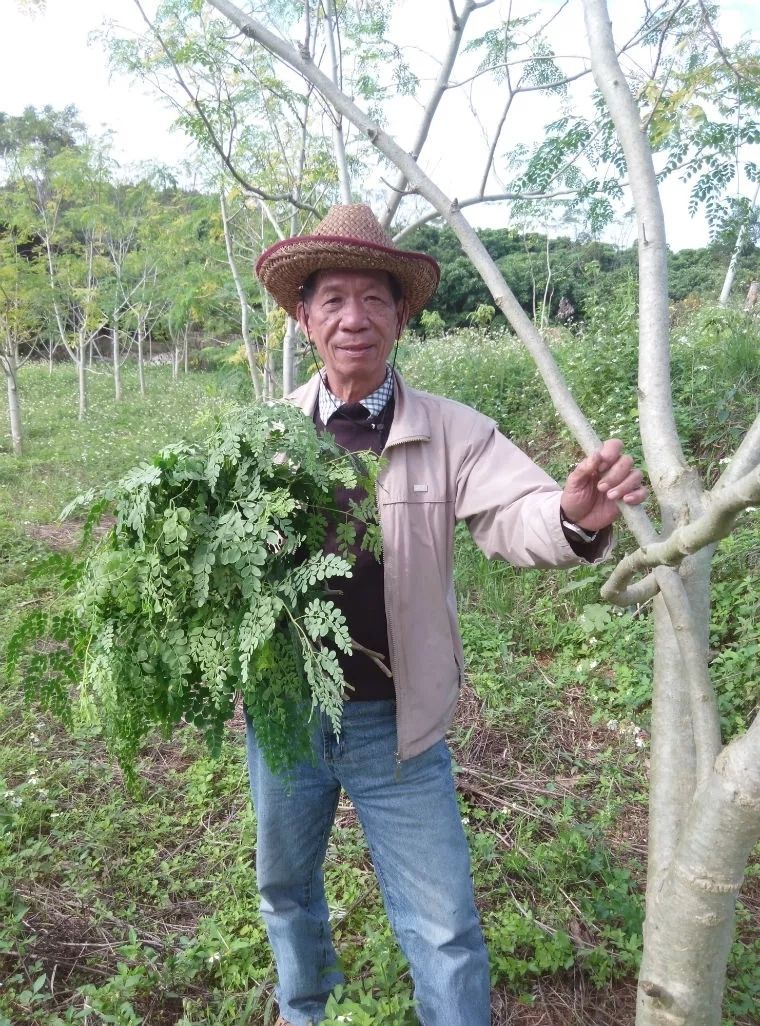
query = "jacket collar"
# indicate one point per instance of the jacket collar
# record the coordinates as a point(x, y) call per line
point(410, 418)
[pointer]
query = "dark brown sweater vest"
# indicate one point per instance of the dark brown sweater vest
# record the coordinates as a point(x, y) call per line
point(362, 598)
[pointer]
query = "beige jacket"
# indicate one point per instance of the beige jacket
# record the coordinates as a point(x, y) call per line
point(444, 463)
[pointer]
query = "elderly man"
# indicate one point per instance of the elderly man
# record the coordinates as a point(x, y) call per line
point(353, 292)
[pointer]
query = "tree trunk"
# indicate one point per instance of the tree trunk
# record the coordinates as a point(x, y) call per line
point(116, 361)
point(269, 374)
point(140, 355)
point(752, 296)
point(728, 282)
point(289, 357)
point(185, 349)
point(82, 376)
point(691, 918)
point(14, 410)
point(250, 350)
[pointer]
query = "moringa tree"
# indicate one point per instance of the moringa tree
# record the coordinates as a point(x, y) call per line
point(22, 293)
point(260, 145)
point(275, 141)
point(705, 797)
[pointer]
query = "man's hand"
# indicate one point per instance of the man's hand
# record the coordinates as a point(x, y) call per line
point(593, 489)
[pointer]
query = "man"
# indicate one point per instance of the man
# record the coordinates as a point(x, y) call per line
point(353, 292)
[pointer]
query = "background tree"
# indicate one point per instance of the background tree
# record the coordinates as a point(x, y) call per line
point(275, 143)
point(21, 313)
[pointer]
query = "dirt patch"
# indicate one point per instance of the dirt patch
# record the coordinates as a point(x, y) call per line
point(567, 1001)
point(66, 535)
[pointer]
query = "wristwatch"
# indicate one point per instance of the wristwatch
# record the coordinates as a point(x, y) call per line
point(579, 532)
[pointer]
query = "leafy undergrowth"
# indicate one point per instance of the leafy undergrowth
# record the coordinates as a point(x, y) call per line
point(139, 909)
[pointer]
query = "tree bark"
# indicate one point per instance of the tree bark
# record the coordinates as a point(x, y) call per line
point(728, 281)
point(141, 355)
point(14, 409)
point(116, 359)
point(289, 356)
point(753, 294)
point(690, 916)
point(250, 350)
point(82, 378)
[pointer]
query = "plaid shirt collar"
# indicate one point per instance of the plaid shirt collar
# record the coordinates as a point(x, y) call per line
point(329, 404)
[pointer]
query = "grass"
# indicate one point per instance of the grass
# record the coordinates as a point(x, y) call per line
point(140, 908)
point(64, 456)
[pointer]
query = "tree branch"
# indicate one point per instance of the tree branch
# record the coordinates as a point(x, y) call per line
point(212, 136)
point(339, 141)
point(662, 446)
point(724, 504)
point(376, 657)
point(746, 457)
point(495, 140)
point(439, 89)
point(495, 198)
point(712, 33)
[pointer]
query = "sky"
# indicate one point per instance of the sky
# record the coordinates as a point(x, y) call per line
point(47, 58)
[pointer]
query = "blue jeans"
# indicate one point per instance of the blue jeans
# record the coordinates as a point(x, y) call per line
point(411, 820)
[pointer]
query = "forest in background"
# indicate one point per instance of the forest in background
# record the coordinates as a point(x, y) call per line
point(90, 260)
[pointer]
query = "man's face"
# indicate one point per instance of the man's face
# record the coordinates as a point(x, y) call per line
point(354, 321)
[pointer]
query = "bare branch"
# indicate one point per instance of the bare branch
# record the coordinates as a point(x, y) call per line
point(439, 90)
point(339, 142)
point(213, 138)
point(662, 446)
point(746, 457)
point(498, 197)
point(497, 136)
point(724, 506)
point(376, 657)
point(713, 34)
point(558, 84)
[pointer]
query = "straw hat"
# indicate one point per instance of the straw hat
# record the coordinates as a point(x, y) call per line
point(350, 238)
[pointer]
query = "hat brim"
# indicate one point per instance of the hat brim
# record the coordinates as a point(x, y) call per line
point(285, 266)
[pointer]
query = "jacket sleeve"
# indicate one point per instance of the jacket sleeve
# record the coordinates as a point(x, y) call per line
point(511, 506)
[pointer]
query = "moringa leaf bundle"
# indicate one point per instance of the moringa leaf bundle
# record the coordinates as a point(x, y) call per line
point(212, 580)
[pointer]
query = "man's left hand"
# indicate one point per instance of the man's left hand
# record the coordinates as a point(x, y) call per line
point(594, 488)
